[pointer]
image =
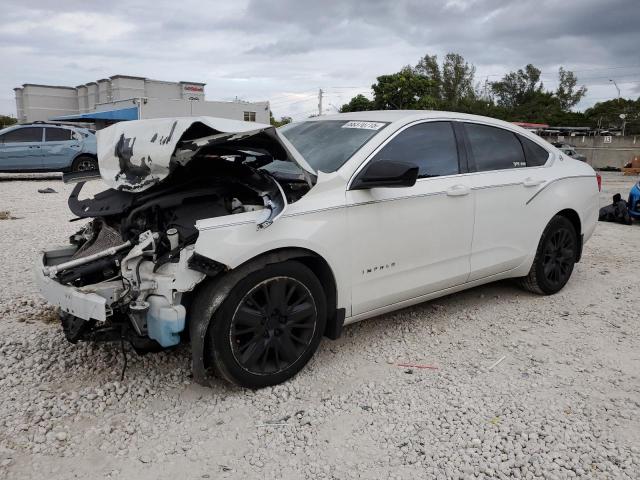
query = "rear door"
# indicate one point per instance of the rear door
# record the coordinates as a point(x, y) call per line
point(410, 241)
point(60, 147)
point(21, 149)
point(509, 169)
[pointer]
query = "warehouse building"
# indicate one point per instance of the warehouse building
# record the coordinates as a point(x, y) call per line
point(123, 97)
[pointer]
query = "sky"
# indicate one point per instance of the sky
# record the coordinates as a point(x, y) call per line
point(285, 50)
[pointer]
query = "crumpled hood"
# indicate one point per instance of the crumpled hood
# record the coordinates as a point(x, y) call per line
point(138, 154)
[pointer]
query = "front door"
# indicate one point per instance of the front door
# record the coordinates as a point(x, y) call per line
point(21, 149)
point(407, 242)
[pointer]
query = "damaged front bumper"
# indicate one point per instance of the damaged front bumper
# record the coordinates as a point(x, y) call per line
point(88, 303)
point(144, 299)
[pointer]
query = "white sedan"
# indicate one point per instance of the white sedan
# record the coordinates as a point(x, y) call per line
point(252, 243)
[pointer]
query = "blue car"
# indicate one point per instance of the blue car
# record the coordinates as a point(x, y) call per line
point(46, 147)
point(634, 201)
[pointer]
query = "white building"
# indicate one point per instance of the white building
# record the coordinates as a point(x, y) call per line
point(122, 97)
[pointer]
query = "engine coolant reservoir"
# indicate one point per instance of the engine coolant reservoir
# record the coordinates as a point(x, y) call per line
point(165, 321)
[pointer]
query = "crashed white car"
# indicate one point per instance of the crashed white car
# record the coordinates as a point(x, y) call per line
point(252, 243)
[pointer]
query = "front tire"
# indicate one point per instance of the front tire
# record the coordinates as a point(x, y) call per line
point(555, 258)
point(268, 327)
point(84, 163)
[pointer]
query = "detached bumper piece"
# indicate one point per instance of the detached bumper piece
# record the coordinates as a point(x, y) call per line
point(86, 305)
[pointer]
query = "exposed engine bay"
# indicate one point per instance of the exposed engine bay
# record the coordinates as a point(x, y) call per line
point(133, 265)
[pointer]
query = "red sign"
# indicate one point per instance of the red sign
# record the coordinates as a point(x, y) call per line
point(193, 88)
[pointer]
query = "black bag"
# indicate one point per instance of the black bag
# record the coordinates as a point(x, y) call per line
point(616, 212)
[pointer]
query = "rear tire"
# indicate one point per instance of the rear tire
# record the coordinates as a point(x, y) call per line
point(84, 163)
point(268, 327)
point(555, 258)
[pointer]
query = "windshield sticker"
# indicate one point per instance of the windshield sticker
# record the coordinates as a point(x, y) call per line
point(364, 125)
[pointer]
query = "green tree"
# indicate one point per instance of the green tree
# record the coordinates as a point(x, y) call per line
point(457, 80)
point(5, 121)
point(279, 123)
point(607, 114)
point(516, 88)
point(359, 103)
point(403, 90)
point(567, 93)
point(428, 68)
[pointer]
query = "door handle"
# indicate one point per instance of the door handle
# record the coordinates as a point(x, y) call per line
point(458, 191)
point(532, 182)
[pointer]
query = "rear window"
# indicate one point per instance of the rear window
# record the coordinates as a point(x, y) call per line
point(327, 144)
point(494, 148)
point(57, 134)
point(534, 154)
point(23, 135)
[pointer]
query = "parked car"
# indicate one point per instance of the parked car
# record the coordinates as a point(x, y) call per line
point(252, 243)
point(570, 150)
point(45, 147)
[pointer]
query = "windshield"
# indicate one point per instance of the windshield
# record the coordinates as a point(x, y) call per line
point(327, 144)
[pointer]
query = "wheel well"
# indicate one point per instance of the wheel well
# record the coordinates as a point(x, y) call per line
point(319, 266)
point(91, 155)
point(574, 218)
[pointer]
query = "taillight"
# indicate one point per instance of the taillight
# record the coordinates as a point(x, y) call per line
point(599, 180)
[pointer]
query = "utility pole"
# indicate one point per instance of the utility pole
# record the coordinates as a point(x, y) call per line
point(320, 92)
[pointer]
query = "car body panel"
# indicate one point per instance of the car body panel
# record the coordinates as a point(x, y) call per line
point(432, 253)
point(16, 156)
point(45, 156)
point(59, 154)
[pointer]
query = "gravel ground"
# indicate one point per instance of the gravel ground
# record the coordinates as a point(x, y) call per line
point(564, 401)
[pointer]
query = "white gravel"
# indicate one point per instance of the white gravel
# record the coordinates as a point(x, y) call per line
point(563, 403)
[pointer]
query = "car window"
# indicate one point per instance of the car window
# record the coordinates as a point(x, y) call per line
point(57, 134)
point(22, 135)
point(326, 145)
point(431, 146)
point(534, 154)
point(494, 148)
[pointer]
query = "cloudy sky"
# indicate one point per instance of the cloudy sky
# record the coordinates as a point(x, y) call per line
point(284, 50)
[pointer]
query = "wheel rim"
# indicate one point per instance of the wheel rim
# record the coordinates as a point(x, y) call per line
point(85, 165)
point(559, 256)
point(273, 325)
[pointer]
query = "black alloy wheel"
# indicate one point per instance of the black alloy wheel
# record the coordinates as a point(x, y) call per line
point(273, 325)
point(85, 164)
point(559, 256)
point(555, 258)
point(267, 328)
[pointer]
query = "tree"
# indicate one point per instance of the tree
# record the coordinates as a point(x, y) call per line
point(607, 114)
point(457, 80)
point(566, 92)
point(516, 88)
point(428, 68)
point(279, 123)
point(403, 90)
point(5, 121)
point(359, 103)
point(518, 96)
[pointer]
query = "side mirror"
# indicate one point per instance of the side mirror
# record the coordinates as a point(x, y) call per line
point(386, 173)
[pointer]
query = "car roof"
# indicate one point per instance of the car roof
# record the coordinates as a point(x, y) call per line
point(406, 116)
point(399, 118)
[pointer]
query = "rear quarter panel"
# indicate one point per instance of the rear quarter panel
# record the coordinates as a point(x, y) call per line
point(572, 186)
